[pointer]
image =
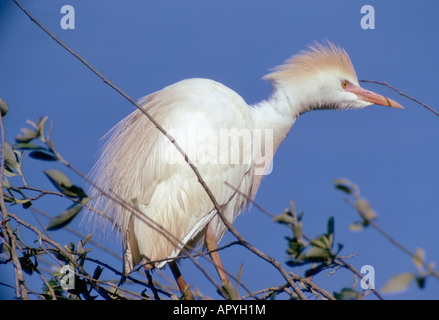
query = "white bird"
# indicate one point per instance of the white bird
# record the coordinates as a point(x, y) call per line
point(227, 140)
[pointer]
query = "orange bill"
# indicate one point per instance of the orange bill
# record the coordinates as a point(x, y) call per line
point(373, 97)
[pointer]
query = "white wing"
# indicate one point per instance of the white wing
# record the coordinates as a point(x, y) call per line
point(212, 124)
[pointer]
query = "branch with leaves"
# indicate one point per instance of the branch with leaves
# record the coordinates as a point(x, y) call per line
point(398, 282)
point(320, 252)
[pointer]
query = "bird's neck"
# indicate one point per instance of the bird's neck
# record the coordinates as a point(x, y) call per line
point(277, 114)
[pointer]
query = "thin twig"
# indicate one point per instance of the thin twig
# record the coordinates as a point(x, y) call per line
point(326, 294)
point(357, 273)
point(402, 94)
point(269, 290)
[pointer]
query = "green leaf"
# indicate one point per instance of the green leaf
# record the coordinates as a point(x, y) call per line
point(63, 184)
point(26, 146)
point(364, 209)
point(27, 135)
point(80, 247)
point(27, 204)
point(9, 173)
point(50, 145)
point(59, 180)
point(297, 230)
point(97, 273)
point(295, 247)
point(330, 227)
point(10, 157)
point(42, 155)
point(346, 186)
point(398, 283)
point(318, 254)
point(6, 183)
point(339, 248)
point(420, 282)
point(65, 217)
point(330, 232)
point(87, 239)
point(3, 107)
point(284, 218)
point(322, 242)
point(41, 124)
point(26, 264)
point(347, 294)
point(356, 226)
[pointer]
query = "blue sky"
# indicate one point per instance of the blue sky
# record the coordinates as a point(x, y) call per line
point(142, 46)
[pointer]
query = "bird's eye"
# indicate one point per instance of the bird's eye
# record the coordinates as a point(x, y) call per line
point(344, 84)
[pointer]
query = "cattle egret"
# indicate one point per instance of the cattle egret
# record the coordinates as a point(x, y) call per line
point(228, 141)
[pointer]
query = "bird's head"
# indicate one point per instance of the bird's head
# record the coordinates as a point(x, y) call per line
point(323, 78)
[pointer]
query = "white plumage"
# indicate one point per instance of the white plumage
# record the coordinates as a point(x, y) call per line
point(138, 163)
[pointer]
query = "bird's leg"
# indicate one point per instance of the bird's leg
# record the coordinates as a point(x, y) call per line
point(214, 255)
point(211, 245)
point(184, 288)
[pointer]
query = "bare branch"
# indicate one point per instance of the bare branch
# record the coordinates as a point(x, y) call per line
point(403, 94)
